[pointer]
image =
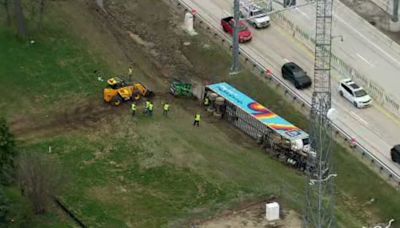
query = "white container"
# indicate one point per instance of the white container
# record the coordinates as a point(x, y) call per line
point(188, 24)
point(272, 211)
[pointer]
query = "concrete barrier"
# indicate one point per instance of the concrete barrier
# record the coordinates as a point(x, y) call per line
point(387, 6)
point(386, 100)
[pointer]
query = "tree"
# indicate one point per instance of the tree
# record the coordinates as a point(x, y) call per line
point(40, 178)
point(7, 152)
point(37, 12)
point(7, 10)
point(34, 16)
point(42, 4)
point(4, 208)
point(19, 13)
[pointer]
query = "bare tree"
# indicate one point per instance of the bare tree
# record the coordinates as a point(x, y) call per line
point(40, 178)
point(37, 11)
point(19, 13)
point(42, 5)
point(33, 4)
point(7, 10)
point(7, 153)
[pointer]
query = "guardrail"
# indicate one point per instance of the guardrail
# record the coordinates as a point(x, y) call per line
point(386, 100)
point(386, 172)
point(385, 5)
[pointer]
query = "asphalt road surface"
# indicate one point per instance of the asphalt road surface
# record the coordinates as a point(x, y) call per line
point(272, 47)
point(363, 47)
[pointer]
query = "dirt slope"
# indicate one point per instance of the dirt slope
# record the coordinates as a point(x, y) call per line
point(123, 39)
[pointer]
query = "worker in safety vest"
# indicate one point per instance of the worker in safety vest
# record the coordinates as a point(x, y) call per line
point(133, 108)
point(206, 101)
point(150, 109)
point(165, 109)
point(196, 120)
point(146, 107)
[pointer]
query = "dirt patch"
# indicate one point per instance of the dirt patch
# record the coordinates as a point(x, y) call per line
point(85, 115)
point(252, 216)
point(81, 114)
point(121, 31)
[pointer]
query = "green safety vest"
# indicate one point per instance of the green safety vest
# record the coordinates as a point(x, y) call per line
point(166, 107)
point(197, 117)
point(206, 101)
point(150, 107)
point(147, 104)
point(133, 107)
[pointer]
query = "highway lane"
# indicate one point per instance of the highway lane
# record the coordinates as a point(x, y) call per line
point(273, 47)
point(362, 48)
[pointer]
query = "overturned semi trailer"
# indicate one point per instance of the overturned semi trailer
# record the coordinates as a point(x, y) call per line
point(280, 138)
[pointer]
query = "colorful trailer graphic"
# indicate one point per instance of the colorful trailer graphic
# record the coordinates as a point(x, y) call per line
point(258, 111)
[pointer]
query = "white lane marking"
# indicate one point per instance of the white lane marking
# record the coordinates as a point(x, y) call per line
point(286, 60)
point(369, 41)
point(364, 59)
point(227, 13)
point(358, 117)
point(344, 125)
point(304, 14)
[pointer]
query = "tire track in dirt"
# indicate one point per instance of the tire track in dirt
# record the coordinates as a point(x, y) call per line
point(84, 116)
point(87, 115)
point(164, 52)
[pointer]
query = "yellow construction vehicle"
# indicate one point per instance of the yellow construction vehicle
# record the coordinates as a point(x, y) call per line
point(118, 91)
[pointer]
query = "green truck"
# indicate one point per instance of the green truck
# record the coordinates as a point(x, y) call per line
point(181, 89)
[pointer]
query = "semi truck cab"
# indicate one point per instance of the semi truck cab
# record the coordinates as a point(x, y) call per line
point(302, 145)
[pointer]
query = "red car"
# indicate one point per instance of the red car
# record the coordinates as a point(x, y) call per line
point(245, 34)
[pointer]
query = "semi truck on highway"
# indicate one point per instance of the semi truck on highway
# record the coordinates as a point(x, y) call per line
point(280, 138)
point(245, 34)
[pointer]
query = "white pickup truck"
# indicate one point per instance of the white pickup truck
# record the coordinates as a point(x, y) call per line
point(254, 14)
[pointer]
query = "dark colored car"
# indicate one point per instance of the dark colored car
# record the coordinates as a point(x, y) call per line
point(395, 153)
point(292, 72)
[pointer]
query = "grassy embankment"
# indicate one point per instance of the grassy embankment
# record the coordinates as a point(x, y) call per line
point(153, 172)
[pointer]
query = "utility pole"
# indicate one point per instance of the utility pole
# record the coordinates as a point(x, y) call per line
point(319, 211)
point(235, 43)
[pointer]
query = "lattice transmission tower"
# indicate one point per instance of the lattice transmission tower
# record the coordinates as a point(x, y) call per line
point(320, 186)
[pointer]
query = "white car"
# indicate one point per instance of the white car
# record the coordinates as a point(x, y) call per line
point(354, 93)
point(254, 14)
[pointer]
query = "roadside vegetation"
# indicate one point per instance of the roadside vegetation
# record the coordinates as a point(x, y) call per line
point(146, 172)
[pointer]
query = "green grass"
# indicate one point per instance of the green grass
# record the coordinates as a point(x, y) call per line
point(157, 172)
point(53, 69)
point(166, 174)
point(22, 215)
point(147, 173)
